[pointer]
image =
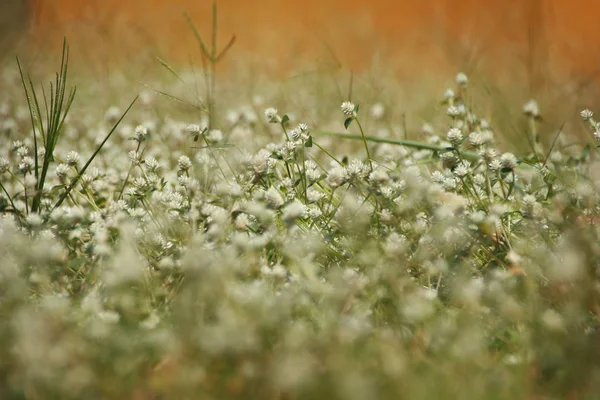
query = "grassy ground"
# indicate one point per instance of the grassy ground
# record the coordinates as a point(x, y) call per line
point(322, 237)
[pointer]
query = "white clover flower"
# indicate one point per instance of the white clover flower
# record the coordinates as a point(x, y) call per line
point(72, 158)
point(531, 109)
point(313, 211)
point(385, 215)
point(488, 154)
point(462, 169)
point(379, 177)
point(135, 157)
point(25, 165)
point(194, 129)
point(453, 111)
point(450, 183)
point(454, 136)
point(449, 94)
point(508, 160)
point(152, 165)
point(377, 111)
point(357, 169)
point(184, 163)
point(273, 197)
point(272, 115)
point(476, 139)
point(479, 179)
point(462, 79)
point(586, 114)
point(336, 176)
point(140, 134)
point(242, 221)
point(495, 165)
point(295, 134)
point(437, 177)
point(215, 135)
point(22, 151)
point(293, 211)
point(348, 108)
point(34, 220)
point(314, 195)
point(449, 159)
point(260, 162)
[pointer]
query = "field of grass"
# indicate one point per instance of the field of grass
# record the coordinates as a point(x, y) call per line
point(218, 239)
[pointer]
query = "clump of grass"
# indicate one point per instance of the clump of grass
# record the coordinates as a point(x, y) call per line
point(47, 132)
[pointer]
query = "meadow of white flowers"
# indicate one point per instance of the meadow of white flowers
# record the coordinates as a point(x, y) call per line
point(278, 255)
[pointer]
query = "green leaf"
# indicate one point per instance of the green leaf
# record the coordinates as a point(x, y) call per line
point(285, 119)
point(308, 142)
point(348, 121)
point(356, 108)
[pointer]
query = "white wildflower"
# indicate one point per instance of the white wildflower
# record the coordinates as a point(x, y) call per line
point(348, 108)
point(462, 79)
point(293, 211)
point(586, 115)
point(72, 158)
point(184, 163)
point(531, 109)
point(273, 197)
point(455, 136)
point(272, 115)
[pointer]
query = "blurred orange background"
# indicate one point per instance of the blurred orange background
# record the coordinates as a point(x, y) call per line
point(557, 36)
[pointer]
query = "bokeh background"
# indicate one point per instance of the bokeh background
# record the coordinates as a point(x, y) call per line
point(514, 50)
point(548, 36)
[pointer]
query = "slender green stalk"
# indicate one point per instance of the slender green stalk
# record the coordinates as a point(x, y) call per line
point(362, 134)
point(399, 142)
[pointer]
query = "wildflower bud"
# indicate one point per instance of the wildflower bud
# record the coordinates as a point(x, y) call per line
point(140, 134)
point(449, 94)
point(531, 109)
point(461, 79)
point(348, 108)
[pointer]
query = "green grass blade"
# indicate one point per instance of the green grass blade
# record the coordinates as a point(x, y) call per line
point(196, 32)
point(397, 142)
point(31, 115)
point(170, 69)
